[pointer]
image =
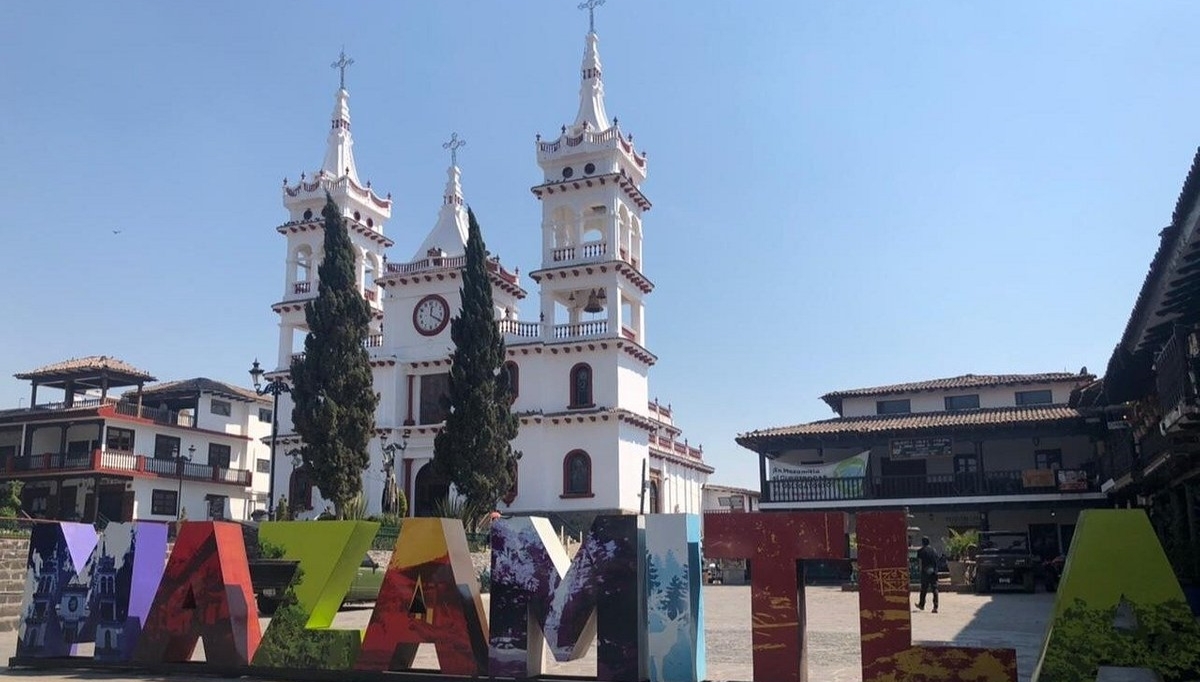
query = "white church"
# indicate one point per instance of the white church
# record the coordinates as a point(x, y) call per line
point(591, 439)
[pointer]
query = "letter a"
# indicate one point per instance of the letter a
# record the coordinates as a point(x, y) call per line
point(329, 553)
point(430, 594)
point(205, 592)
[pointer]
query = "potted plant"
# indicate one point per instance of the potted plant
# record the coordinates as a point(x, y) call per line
point(958, 547)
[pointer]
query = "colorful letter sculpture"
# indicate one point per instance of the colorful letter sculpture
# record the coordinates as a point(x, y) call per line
point(329, 553)
point(1118, 604)
point(537, 599)
point(774, 543)
point(674, 598)
point(54, 617)
point(430, 594)
point(125, 570)
point(205, 592)
point(885, 616)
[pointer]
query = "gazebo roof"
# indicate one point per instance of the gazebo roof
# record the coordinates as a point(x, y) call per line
point(87, 372)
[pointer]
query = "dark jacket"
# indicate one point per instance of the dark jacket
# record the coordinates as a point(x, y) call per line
point(929, 559)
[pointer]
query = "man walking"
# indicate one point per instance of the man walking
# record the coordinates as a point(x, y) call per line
point(929, 575)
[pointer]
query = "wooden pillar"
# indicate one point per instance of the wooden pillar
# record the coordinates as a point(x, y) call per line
point(980, 478)
point(69, 388)
point(33, 395)
point(62, 439)
point(139, 399)
point(765, 490)
point(103, 387)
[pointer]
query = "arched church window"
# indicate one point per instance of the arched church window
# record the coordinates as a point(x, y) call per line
point(652, 503)
point(577, 473)
point(581, 385)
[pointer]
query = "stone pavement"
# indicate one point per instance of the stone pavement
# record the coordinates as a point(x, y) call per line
point(1001, 620)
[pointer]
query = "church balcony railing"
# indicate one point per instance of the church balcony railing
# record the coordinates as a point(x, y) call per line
point(590, 141)
point(373, 341)
point(525, 330)
point(629, 333)
point(301, 287)
point(371, 295)
point(297, 356)
point(431, 263)
point(586, 251)
point(581, 329)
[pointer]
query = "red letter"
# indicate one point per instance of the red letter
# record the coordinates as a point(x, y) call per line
point(205, 592)
point(774, 543)
point(885, 616)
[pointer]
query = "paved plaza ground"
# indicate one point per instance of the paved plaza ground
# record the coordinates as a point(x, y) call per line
point(1002, 620)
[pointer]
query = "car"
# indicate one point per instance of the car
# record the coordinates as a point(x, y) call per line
point(1005, 561)
point(367, 581)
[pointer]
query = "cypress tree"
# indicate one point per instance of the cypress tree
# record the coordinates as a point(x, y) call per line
point(474, 449)
point(332, 386)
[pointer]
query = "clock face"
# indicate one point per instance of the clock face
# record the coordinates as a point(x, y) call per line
point(431, 315)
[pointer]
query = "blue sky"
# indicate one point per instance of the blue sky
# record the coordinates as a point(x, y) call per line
point(846, 194)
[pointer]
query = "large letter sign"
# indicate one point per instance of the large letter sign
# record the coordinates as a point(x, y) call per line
point(885, 620)
point(1118, 604)
point(430, 594)
point(205, 592)
point(329, 553)
point(125, 570)
point(674, 600)
point(535, 596)
point(54, 618)
point(774, 543)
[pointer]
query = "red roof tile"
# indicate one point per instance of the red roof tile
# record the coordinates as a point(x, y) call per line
point(919, 422)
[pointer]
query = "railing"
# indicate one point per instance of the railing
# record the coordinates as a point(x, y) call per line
point(565, 253)
point(529, 330)
point(1172, 377)
point(78, 404)
point(373, 341)
point(901, 487)
point(448, 263)
point(583, 251)
point(629, 333)
point(51, 461)
point(297, 356)
point(123, 461)
point(301, 287)
point(155, 414)
point(576, 329)
point(371, 295)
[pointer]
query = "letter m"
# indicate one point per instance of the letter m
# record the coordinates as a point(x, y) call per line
point(540, 598)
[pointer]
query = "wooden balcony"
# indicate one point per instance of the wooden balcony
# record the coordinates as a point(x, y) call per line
point(1175, 371)
point(121, 464)
point(993, 483)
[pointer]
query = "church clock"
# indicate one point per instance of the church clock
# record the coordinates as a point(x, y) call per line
point(431, 315)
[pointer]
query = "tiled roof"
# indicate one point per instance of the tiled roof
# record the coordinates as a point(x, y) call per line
point(89, 364)
point(918, 422)
point(200, 385)
point(965, 381)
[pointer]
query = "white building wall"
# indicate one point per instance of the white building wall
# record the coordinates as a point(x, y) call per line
point(934, 401)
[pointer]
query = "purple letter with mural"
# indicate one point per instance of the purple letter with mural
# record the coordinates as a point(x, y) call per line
point(539, 598)
point(125, 570)
point(54, 612)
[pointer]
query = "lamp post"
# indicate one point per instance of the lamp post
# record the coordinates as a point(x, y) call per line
point(179, 462)
point(274, 387)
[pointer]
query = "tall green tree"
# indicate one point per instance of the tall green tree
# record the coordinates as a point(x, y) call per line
point(474, 449)
point(332, 388)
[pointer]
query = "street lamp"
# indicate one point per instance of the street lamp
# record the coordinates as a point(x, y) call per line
point(179, 462)
point(274, 387)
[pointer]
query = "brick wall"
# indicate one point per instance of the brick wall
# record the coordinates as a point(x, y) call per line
point(13, 555)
